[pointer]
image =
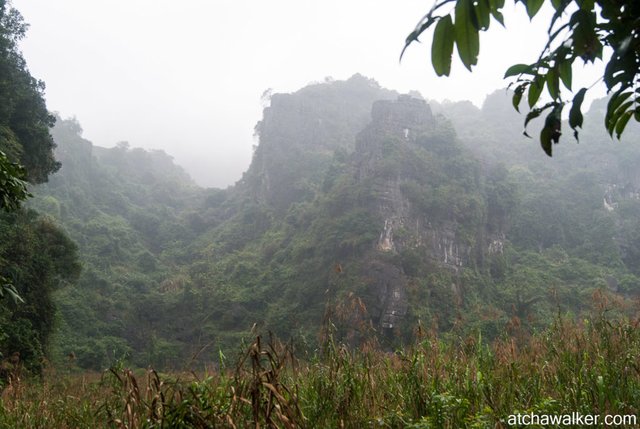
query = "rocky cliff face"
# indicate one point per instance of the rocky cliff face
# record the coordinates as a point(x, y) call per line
point(410, 159)
point(299, 134)
point(358, 204)
point(349, 175)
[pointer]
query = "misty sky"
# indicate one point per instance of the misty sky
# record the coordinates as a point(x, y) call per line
point(187, 76)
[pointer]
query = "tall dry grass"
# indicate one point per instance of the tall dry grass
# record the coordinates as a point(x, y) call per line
point(588, 366)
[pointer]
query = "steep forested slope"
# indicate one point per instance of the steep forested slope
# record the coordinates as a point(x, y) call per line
point(133, 215)
point(362, 214)
point(585, 198)
point(36, 257)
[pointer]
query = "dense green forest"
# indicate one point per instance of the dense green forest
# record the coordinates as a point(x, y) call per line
point(36, 257)
point(423, 247)
point(363, 212)
point(384, 260)
point(376, 239)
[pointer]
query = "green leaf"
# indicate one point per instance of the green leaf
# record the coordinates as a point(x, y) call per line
point(517, 97)
point(535, 89)
point(556, 4)
point(517, 69)
point(13, 187)
point(534, 113)
point(622, 123)
point(442, 46)
point(586, 43)
point(610, 69)
point(483, 13)
point(612, 117)
point(553, 83)
point(617, 99)
point(586, 4)
point(565, 69)
point(618, 115)
point(636, 115)
point(624, 46)
point(622, 77)
point(533, 6)
point(467, 39)
point(495, 6)
point(498, 16)
point(623, 107)
point(550, 133)
point(531, 116)
point(575, 114)
point(11, 290)
point(422, 26)
point(545, 141)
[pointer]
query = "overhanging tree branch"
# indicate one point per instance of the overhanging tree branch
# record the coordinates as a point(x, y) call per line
point(590, 25)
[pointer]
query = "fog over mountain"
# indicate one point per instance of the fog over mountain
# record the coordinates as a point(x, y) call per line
point(431, 211)
point(187, 78)
point(250, 214)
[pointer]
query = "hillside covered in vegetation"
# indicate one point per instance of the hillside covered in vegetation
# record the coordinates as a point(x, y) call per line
point(364, 212)
point(384, 261)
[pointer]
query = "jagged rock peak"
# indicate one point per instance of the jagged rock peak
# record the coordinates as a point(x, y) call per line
point(406, 112)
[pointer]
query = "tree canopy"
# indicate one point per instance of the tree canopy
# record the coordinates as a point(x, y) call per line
point(26, 146)
point(579, 29)
point(36, 257)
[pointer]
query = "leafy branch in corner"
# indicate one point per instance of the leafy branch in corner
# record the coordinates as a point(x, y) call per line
point(578, 29)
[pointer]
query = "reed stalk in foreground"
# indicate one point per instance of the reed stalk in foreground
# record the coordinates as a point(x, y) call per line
point(589, 367)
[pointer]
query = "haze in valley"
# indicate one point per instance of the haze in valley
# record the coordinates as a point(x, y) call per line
point(187, 77)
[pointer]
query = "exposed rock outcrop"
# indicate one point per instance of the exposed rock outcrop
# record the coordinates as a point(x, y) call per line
point(299, 133)
point(396, 151)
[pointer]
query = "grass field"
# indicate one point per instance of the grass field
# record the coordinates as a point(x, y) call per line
point(591, 366)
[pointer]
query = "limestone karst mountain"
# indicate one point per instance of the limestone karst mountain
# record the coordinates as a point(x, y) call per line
point(363, 214)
